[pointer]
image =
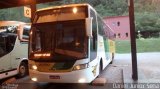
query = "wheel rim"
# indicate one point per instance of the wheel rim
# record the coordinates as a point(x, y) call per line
point(22, 70)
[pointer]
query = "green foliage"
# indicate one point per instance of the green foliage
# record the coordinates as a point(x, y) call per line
point(158, 23)
point(123, 46)
point(103, 11)
point(147, 12)
point(108, 7)
point(143, 45)
point(3, 14)
point(147, 22)
point(147, 15)
point(13, 14)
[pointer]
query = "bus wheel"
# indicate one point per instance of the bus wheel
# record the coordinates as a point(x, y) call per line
point(112, 58)
point(100, 67)
point(23, 70)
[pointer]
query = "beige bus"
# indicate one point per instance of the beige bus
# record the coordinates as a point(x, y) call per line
point(69, 44)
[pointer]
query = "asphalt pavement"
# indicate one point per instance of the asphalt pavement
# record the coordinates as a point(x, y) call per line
point(148, 70)
point(112, 74)
point(118, 75)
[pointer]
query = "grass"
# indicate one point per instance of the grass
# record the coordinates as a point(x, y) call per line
point(143, 45)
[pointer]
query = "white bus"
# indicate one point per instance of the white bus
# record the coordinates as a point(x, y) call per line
point(69, 44)
point(13, 49)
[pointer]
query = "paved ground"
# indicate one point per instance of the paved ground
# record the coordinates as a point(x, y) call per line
point(118, 75)
point(112, 74)
point(148, 66)
point(148, 70)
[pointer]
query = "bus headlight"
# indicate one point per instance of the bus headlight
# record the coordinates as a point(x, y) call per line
point(82, 80)
point(80, 66)
point(34, 67)
point(75, 10)
point(34, 79)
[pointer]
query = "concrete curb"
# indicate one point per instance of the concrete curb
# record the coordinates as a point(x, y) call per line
point(99, 82)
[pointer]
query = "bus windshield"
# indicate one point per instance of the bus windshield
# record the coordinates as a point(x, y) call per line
point(66, 38)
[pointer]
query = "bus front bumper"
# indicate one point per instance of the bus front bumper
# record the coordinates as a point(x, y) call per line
point(78, 76)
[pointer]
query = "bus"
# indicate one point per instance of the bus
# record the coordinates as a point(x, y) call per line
point(69, 44)
point(14, 37)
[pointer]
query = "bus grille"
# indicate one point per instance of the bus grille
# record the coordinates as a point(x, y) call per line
point(55, 67)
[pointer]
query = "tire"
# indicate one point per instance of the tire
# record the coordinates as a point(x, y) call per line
point(23, 70)
point(100, 67)
point(112, 58)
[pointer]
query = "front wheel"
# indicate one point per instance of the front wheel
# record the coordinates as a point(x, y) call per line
point(23, 70)
point(100, 67)
point(112, 58)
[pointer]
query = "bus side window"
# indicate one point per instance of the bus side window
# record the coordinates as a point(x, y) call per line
point(93, 41)
point(26, 33)
point(11, 42)
point(23, 37)
point(6, 43)
point(2, 45)
point(100, 27)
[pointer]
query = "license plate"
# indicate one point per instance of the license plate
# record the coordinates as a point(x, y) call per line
point(54, 77)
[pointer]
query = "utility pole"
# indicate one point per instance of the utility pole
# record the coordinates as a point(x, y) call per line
point(33, 9)
point(133, 40)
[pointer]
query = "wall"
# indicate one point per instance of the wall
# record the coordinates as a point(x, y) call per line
point(120, 25)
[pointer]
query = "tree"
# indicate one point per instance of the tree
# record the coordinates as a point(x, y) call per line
point(147, 22)
point(3, 15)
point(15, 14)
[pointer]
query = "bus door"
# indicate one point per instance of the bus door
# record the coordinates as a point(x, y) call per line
point(106, 41)
point(102, 30)
point(93, 43)
point(106, 47)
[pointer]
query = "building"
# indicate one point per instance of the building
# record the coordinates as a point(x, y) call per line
point(120, 25)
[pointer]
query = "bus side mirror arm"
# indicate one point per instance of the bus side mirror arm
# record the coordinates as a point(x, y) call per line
point(89, 27)
point(20, 34)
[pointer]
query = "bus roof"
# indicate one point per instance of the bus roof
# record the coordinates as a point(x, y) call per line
point(11, 23)
point(63, 6)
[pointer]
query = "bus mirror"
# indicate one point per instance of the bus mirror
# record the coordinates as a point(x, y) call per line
point(89, 27)
point(20, 33)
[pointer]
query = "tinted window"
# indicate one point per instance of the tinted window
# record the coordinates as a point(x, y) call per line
point(26, 32)
point(7, 39)
point(60, 37)
point(101, 26)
